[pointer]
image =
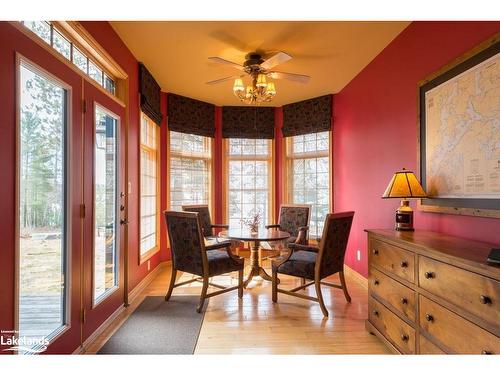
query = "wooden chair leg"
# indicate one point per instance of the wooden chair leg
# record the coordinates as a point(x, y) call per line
point(317, 284)
point(275, 286)
point(240, 284)
point(172, 283)
point(344, 286)
point(203, 295)
point(302, 281)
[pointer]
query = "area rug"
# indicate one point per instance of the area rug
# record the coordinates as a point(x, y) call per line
point(159, 327)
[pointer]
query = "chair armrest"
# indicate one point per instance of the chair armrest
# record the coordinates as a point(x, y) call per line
point(218, 245)
point(272, 226)
point(302, 236)
point(297, 247)
point(224, 226)
point(276, 262)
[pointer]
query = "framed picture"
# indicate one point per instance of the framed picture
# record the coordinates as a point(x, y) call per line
point(459, 134)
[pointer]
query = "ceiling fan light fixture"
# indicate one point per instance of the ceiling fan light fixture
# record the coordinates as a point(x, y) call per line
point(261, 81)
point(238, 85)
point(271, 89)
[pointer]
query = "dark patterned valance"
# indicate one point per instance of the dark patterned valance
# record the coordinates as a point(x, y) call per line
point(248, 122)
point(308, 116)
point(191, 116)
point(150, 94)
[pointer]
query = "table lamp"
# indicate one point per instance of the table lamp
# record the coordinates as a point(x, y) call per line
point(404, 185)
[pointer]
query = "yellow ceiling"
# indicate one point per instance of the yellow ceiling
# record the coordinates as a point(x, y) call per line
point(332, 53)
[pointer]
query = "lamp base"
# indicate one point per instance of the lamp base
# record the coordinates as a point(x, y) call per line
point(404, 217)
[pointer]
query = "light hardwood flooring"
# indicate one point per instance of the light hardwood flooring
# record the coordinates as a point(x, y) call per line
point(255, 325)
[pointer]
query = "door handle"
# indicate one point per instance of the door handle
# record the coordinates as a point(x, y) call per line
point(123, 221)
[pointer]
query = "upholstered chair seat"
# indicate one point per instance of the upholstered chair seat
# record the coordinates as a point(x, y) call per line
point(317, 262)
point(191, 254)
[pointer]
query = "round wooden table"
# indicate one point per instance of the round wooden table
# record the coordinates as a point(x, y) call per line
point(262, 234)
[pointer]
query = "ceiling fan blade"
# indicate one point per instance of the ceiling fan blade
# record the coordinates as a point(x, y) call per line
point(278, 58)
point(290, 76)
point(220, 80)
point(220, 60)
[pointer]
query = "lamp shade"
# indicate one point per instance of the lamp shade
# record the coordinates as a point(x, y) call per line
point(404, 184)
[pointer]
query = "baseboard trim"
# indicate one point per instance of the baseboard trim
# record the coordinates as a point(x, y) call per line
point(360, 279)
point(134, 293)
point(90, 340)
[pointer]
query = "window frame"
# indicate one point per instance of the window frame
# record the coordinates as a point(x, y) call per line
point(155, 249)
point(211, 172)
point(226, 158)
point(288, 159)
point(68, 191)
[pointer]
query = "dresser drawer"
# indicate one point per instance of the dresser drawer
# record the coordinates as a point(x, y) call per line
point(472, 292)
point(393, 259)
point(392, 327)
point(396, 294)
point(427, 347)
point(455, 332)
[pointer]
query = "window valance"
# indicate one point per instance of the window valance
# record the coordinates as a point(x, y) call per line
point(191, 116)
point(308, 116)
point(150, 92)
point(248, 122)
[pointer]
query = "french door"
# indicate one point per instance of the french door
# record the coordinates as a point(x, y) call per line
point(104, 205)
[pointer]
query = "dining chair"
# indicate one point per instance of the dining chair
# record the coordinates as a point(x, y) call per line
point(206, 222)
point(316, 262)
point(294, 219)
point(189, 254)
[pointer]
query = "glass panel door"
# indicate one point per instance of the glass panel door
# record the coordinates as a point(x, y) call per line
point(105, 203)
point(43, 224)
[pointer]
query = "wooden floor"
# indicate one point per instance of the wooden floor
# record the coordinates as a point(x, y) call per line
point(254, 325)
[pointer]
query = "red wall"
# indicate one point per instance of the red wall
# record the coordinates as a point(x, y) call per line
point(111, 42)
point(375, 131)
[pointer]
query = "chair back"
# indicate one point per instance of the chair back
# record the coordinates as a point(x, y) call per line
point(333, 243)
point(294, 216)
point(187, 244)
point(204, 215)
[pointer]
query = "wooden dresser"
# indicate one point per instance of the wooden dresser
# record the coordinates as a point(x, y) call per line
point(432, 294)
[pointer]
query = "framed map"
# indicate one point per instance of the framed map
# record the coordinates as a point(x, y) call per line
point(460, 135)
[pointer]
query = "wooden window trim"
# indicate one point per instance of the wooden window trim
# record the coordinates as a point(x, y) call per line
point(288, 158)
point(210, 146)
point(226, 158)
point(155, 249)
point(96, 52)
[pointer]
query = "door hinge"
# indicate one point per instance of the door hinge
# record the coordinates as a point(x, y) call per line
point(82, 211)
point(84, 315)
point(84, 106)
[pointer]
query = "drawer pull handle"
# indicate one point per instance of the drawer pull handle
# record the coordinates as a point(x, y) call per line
point(376, 282)
point(486, 352)
point(375, 252)
point(429, 275)
point(405, 337)
point(375, 312)
point(429, 317)
point(404, 264)
point(404, 301)
point(485, 300)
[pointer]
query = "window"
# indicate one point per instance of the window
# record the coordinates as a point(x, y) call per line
point(55, 38)
point(250, 180)
point(149, 187)
point(43, 227)
point(190, 169)
point(308, 166)
point(105, 198)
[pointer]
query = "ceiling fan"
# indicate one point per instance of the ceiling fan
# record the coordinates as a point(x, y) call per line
point(258, 67)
